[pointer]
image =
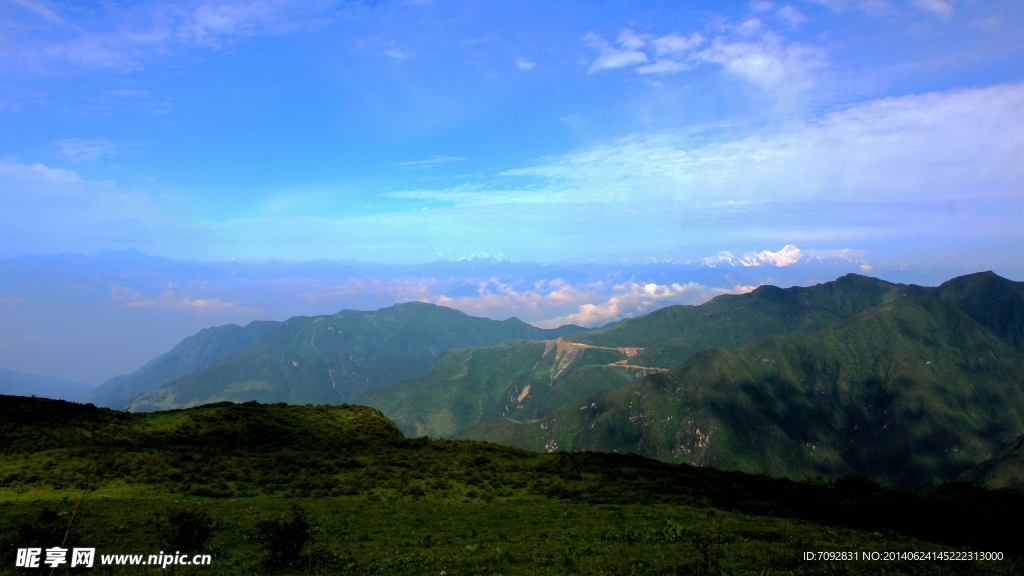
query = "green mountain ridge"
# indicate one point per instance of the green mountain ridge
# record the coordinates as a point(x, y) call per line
point(199, 350)
point(911, 392)
point(467, 389)
point(332, 359)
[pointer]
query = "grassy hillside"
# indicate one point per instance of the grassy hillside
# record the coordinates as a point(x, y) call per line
point(20, 384)
point(202, 348)
point(333, 359)
point(1004, 470)
point(912, 392)
point(244, 482)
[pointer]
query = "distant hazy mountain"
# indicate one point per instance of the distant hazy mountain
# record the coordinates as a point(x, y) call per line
point(912, 392)
point(19, 384)
point(206, 346)
point(529, 380)
point(333, 359)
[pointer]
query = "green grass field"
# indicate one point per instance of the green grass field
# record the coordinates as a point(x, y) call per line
point(416, 535)
point(338, 490)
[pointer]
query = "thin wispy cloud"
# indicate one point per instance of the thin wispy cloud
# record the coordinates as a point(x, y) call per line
point(791, 16)
point(39, 172)
point(83, 150)
point(940, 8)
point(749, 50)
point(429, 163)
point(39, 9)
point(611, 57)
point(148, 31)
point(169, 299)
point(869, 7)
point(895, 148)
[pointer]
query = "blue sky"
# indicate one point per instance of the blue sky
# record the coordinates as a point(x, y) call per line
point(544, 131)
point(651, 152)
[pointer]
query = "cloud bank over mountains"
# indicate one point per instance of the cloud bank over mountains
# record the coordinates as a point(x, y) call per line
point(787, 256)
point(91, 317)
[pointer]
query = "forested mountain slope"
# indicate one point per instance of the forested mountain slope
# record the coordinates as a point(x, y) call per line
point(528, 381)
point(335, 358)
point(911, 392)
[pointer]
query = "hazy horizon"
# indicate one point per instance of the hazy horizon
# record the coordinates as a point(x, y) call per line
point(89, 318)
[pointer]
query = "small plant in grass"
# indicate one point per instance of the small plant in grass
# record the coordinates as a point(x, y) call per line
point(284, 539)
point(708, 542)
point(672, 531)
point(44, 530)
point(634, 535)
point(189, 530)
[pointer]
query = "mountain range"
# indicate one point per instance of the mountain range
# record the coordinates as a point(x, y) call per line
point(528, 381)
point(334, 359)
point(902, 383)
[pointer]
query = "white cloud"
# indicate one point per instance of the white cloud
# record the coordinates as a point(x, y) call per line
point(788, 256)
point(894, 149)
point(617, 59)
point(791, 16)
point(941, 8)
point(748, 50)
point(749, 27)
point(664, 66)
point(11, 300)
point(80, 150)
point(524, 64)
point(610, 57)
point(632, 298)
point(767, 62)
point(630, 40)
point(674, 44)
point(37, 172)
